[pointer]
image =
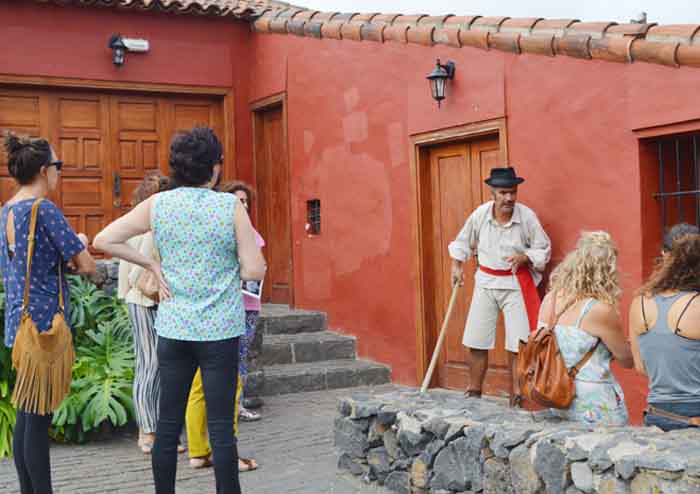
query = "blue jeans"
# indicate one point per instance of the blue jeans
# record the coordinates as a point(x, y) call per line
point(667, 424)
point(178, 360)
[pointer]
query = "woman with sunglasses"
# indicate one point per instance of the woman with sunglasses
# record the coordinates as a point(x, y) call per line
point(36, 169)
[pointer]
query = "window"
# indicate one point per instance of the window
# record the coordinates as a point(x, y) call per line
point(313, 217)
point(678, 190)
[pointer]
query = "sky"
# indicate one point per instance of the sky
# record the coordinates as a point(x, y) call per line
point(659, 11)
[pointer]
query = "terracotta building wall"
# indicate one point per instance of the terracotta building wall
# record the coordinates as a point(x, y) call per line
point(352, 108)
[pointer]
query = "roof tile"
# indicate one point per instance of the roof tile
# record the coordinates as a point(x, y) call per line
point(447, 37)
point(653, 52)
point(688, 55)
point(396, 32)
point(345, 17)
point(263, 24)
point(490, 24)
point(556, 27)
point(332, 30)
point(350, 30)
point(360, 18)
point(577, 46)
point(289, 13)
point(594, 29)
point(295, 26)
point(434, 20)
point(370, 31)
point(463, 22)
point(612, 49)
point(325, 16)
point(509, 42)
point(631, 29)
point(519, 24)
point(312, 29)
point(540, 44)
point(673, 33)
point(409, 19)
point(422, 35)
point(477, 39)
point(278, 25)
point(384, 18)
point(305, 15)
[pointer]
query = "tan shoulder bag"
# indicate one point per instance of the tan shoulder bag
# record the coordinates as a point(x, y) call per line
point(44, 361)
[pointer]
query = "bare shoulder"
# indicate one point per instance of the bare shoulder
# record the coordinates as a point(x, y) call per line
point(603, 317)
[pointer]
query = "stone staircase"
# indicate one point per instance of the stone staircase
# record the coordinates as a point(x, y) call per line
point(300, 354)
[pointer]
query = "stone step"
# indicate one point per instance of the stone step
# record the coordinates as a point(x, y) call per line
point(317, 376)
point(280, 319)
point(306, 347)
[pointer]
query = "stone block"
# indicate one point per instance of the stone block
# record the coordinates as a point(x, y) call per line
point(379, 463)
point(551, 466)
point(352, 465)
point(497, 477)
point(337, 349)
point(351, 437)
point(398, 482)
point(451, 469)
point(582, 476)
point(391, 443)
point(522, 472)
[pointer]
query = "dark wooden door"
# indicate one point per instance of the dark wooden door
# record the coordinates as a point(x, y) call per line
point(273, 204)
point(107, 142)
point(456, 189)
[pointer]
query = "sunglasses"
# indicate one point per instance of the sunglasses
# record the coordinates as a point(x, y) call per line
point(58, 164)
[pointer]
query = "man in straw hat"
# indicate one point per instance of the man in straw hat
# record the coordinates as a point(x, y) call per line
point(512, 250)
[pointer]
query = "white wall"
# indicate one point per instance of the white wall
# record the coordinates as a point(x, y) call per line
point(659, 11)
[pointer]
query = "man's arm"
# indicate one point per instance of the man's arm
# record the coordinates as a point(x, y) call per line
point(540, 249)
point(462, 248)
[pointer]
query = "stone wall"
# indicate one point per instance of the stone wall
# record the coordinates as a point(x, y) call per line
point(107, 278)
point(442, 443)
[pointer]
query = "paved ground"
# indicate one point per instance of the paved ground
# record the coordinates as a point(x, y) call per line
point(293, 444)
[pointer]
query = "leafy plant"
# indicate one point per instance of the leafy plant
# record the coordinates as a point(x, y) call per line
point(102, 375)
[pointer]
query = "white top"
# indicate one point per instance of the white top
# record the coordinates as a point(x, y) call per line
point(129, 273)
point(493, 243)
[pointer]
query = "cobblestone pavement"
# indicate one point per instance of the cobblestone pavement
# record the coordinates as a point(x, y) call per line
point(293, 445)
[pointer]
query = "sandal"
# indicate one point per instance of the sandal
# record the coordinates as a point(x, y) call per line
point(181, 448)
point(247, 464)
point(516, 401)
point(201, 462)
point(245, 415)
point(145, 443)
point(472, 393)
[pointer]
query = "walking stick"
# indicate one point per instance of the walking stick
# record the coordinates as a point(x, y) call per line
point(441, 339)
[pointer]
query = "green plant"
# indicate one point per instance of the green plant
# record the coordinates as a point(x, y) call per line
point(7, 381)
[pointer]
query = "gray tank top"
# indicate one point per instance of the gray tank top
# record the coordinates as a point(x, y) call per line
point(672, 361)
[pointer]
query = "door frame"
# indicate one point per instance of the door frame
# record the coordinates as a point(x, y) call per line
point(226, 94)
point(419, 158)
point(256, 107)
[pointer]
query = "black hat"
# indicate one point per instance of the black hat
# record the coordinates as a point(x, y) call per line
point(503, 177)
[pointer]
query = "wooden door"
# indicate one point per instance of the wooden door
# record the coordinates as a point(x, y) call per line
point(273, 203)
point(456, 173)
point(142, 128)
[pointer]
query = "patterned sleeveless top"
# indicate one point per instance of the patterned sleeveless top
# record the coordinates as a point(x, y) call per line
point(194, 233)
point(599, 399)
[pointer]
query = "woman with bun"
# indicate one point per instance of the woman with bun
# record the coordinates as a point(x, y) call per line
point(57, 249)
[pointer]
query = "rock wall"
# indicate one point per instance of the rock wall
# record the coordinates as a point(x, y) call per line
point(442, 443)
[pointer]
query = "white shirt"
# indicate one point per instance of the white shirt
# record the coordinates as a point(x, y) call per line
point(129, 273)
point(493, 243)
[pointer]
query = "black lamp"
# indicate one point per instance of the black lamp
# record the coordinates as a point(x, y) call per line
point(438, 79)
point(116, 43)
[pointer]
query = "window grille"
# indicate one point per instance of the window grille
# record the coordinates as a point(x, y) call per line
point(679, 180)
point(313, 216)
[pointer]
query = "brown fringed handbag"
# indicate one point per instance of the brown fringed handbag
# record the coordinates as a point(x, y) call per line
point(44, 361)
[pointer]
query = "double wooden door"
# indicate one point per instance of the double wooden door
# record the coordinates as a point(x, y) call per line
point(455, 188)
point(107, 142)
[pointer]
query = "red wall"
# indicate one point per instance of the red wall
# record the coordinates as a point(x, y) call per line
point(352, 107)
point(71, 42)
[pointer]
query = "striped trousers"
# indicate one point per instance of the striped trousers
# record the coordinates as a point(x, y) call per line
point(146, 391)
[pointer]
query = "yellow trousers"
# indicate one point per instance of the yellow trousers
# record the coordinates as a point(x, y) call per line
point(196, 418)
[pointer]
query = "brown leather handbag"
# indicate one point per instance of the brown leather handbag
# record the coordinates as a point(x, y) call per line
point(542, 372)
point(44, 361)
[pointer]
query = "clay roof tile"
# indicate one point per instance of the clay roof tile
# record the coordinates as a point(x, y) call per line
point(490, 24)
point(463, 22)
point(593, 29)
point(673, 33)
point(421, 35)
point(634, 30)
point(556, 27)
point(519, 24)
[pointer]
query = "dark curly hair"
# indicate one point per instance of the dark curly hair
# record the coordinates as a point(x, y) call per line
point(677, 231)
point(193, 155)
point(238, 185)
point(26, 156)
point(678, 270)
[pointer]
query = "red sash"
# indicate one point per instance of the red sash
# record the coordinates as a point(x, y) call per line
point(527, 287)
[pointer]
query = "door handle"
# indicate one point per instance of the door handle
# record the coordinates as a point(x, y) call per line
point(117, 190)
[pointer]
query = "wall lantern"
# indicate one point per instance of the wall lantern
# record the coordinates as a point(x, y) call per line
point(120, 45)
point(438, 79)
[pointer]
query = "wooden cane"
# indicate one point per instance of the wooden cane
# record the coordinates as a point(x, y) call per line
point(441, 339)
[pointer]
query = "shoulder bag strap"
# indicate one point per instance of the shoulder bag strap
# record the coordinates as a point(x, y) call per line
point(31, 239)
point(30, 253)
point(553, 318)
point(576, 368)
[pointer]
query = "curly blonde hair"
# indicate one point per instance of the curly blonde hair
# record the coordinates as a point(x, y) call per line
point(589, 271)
